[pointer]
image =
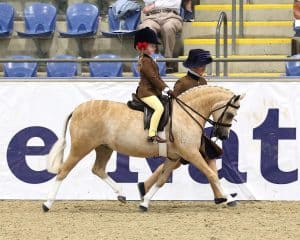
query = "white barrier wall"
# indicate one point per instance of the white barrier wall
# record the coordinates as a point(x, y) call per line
point(261, 159)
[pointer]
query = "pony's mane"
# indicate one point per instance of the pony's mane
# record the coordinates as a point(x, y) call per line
point(191, 90)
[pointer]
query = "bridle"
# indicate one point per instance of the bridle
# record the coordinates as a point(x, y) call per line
point(226, 106)
point(219, 123)
point(215, 124)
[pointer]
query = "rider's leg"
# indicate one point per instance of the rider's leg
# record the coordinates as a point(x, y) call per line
point(156, 105)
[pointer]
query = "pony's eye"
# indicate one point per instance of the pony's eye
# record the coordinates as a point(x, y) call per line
point(229, 115)
point(234, 120)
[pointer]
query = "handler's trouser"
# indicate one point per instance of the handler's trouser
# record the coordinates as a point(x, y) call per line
point(156, 105)
point(167, 24)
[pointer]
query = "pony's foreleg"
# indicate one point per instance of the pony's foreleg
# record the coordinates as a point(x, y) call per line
point(230, 202)
point(103, 154)
point(162, 179)
point(198, 161)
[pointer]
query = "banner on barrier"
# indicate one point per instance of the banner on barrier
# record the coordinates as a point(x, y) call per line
point(260, 160)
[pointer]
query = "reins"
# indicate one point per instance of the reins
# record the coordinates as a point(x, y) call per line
point(215, 124)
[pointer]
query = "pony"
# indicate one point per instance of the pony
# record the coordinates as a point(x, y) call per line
point(107, 126)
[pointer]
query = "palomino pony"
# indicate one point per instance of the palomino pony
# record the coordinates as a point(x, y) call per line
point(106, 126)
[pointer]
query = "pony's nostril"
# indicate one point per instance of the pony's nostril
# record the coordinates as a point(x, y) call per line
point(223, 137)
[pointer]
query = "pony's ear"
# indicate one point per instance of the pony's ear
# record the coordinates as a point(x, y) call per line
point(239, 97)
point(242, 96)
point(236, 98)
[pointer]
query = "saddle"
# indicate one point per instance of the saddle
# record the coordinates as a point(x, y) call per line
point(138, 105)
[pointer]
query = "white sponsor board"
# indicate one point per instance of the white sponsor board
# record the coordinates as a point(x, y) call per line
point(264, 149)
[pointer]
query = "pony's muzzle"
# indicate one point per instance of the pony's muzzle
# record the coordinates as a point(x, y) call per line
point(223, 137)
point(221, 133)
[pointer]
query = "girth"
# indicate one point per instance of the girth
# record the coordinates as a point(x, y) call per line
point(138, 105)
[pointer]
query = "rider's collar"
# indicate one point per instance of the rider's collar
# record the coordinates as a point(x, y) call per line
point(193, 75)
point(149, 56)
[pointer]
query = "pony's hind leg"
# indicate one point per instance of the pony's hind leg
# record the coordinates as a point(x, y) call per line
point(103, 154)
point(73, 158)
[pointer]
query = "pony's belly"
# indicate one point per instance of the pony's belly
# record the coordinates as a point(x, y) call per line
point(138, 150)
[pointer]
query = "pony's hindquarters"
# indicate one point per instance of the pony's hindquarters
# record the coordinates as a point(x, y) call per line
point(56, 155)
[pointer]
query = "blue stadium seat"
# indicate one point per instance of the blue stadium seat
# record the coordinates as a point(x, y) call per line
point(106, 69)
point(6, 19)
point(40, 20)
point(125, 27)
point(62, 69)
point(82, 20)
point(293, 68)
point(161, 66)
point(20, 69)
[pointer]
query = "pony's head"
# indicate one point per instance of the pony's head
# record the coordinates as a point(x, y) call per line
point(223, 114)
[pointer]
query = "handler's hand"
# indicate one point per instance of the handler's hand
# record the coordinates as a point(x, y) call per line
point(148, 8)
point(171, 93)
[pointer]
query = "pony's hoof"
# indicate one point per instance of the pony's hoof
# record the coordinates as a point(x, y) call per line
point(45, 208)
point(232, 204)
point(122, 199)
point(143, 208)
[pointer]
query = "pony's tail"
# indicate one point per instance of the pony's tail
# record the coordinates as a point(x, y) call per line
point(56, 155)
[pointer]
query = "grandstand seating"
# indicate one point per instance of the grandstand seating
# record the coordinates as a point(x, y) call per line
point(6, 19)
point(82, 20)
point(124, 27)
point(106, 69)
point(20, 69)
point(161, 66)
point(40, 20)
point(62, 69)
point(267, 34)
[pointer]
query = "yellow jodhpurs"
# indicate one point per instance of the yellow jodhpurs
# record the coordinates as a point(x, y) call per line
point(156, 105)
